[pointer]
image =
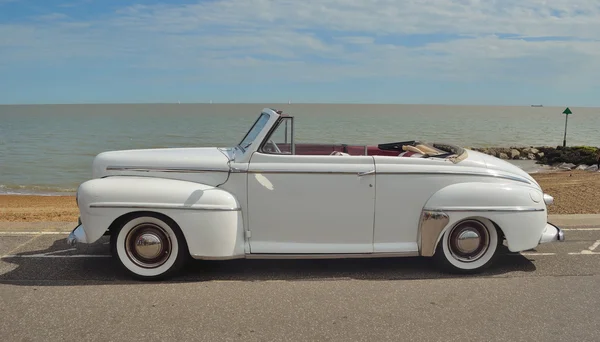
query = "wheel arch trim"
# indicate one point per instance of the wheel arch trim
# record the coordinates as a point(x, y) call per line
point(431, 225)
point(124, 218)
point(434, 223)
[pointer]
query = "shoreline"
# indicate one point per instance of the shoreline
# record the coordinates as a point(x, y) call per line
point(574, 192)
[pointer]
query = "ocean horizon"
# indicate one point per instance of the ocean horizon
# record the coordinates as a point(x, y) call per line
point(48, 148)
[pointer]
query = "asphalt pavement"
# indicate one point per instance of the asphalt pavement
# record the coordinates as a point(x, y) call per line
point(50, 291)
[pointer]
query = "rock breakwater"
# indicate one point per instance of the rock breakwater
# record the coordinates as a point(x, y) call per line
point(570, 157)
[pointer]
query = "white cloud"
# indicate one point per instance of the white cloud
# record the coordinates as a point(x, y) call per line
point(533, 17)
point(329, 39)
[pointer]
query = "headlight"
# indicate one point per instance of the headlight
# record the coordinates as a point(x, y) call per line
point(548, 199)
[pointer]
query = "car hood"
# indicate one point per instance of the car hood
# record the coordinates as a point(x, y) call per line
point(208, 165)
point(497, 164)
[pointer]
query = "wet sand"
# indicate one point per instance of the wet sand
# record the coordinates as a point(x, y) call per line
point(574, 192)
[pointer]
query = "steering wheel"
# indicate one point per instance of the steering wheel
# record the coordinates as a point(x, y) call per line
point(271, 147)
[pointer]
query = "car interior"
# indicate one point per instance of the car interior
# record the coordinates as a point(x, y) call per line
point(414, 149)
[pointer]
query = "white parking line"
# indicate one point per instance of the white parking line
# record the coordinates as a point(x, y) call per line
point(531, 254)
point(35, 233)
point(55, 256)
point(23, 244)
point(61, 251)
point(594, 246)
point(590, 250)
point(580, 229)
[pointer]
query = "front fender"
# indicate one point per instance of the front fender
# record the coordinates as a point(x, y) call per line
point(209, 217)
point(519, 211)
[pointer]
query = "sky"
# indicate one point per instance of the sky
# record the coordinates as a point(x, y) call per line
point(480, 52)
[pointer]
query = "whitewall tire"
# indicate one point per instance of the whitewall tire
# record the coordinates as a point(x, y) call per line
point(470, 246)
point(149, 246)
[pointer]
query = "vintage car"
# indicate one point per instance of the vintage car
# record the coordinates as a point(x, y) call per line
point(270, 197)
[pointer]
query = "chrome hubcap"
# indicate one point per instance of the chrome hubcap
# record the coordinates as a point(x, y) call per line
point(148, 245)
point(468, 241)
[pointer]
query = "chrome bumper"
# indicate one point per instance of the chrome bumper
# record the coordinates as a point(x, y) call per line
point(552, 233)
point(77, 235)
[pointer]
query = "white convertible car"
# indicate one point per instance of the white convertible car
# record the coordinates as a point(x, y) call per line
point(270, 197)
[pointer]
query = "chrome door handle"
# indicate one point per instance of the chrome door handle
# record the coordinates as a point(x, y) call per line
point(360, 174)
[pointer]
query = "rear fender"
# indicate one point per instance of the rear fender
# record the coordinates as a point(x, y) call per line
point(519, 212)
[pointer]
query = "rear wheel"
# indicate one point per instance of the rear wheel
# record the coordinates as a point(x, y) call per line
point(470, 246)
point(149, 246)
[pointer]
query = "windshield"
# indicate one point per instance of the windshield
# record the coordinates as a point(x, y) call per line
point(254, 131)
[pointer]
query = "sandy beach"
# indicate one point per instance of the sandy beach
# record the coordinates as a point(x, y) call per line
point(31, 208)
point(575, 192)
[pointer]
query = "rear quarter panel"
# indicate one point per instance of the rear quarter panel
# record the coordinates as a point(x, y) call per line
point(405, 186)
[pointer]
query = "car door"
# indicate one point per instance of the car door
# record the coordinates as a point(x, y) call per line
point(301, 204)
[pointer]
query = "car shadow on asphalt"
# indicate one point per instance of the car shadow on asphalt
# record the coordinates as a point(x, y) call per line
point(58, 265)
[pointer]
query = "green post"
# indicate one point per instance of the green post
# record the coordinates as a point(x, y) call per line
point(566, 112)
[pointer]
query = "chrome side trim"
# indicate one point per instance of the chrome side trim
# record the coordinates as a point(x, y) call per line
point(484, 209)
point(197, 170)
point(430, 226)
point(333, 256)
point(160, 206)
point(456, 173)
point(303, 172)
point(161, 169)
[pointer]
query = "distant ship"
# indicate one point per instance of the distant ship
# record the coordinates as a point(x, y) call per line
point(537, 105)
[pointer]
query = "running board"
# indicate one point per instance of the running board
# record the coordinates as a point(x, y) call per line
point(333, 256)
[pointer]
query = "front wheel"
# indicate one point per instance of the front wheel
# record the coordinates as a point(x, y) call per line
point(149, 246)
point(470, 246)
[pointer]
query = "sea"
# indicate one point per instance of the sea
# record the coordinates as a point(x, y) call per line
point(48, 149)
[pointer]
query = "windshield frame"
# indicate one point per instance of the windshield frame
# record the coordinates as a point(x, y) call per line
point(255, 129)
